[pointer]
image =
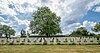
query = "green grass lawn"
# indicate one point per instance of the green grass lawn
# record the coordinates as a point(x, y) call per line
point(49, 48)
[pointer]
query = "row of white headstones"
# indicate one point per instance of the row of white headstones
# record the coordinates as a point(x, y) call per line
point(48, 40)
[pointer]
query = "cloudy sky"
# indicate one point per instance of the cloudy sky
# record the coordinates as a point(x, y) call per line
point(73, 13)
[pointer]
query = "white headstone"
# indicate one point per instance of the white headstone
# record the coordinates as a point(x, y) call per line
point(32, 40)
point(3, 40)
point(82, 40)
point(95, 40)
point(10, 40)
point(42, 41)
point(21, 40)
point(48, 40)
point(68, 40)
point(0, 40)
point(88, 40)
point(61, 39)
point(26, 40)
point(55, 39)
point(15, 41)
point(72, 39)
point(38, 40)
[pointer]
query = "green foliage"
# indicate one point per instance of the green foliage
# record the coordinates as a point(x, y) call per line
point(91, 34)
point(99, 43)
point(97, 27)
point(7, 30)
point(45, 43)
point(45, 22)
point(72, 43)
point(21, 43)
point(23, 33)
point(11, 43)
point(80, 32)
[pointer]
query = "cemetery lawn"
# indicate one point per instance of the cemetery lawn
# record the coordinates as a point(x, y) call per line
point(49, 48)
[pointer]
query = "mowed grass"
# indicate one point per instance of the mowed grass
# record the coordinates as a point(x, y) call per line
point(49, 48)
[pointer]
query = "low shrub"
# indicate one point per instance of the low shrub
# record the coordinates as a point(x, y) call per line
point(45, 43)
point(11, 43)
point(72, 44)
point(99, 43)
point(58, 44)
point(21, 43)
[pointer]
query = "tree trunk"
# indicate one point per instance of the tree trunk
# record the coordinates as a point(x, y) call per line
point(6, 36)
point(46, 34)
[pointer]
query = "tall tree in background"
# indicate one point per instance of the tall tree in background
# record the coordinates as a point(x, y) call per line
point(23, 32)
point(45, 22)
point(80, 32)
point(7, 30)
point(97, 27)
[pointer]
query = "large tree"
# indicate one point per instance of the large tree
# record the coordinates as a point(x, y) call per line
point(97, 27)
point(45, 22)
point(7, 30)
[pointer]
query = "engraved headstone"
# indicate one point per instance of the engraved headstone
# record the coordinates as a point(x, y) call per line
point(61, 39)
point(42, 41)
point(38, 40)
point(48, 40)
point(68, 39)
point(10, 41)
point(55, 39)
point(94, 40)
point(32, 40)
point(21, 40)
point(82, 40)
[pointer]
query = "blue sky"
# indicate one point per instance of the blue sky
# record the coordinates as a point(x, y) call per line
point(92, 15)
point(73, 13)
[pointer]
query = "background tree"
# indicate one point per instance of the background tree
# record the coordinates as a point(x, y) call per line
point(80, 32)
point(7, 30)
point(96, 27)
point(32, 27)
point(23, 33)
point(1, 31)
point(91, 34)
point(45, 22)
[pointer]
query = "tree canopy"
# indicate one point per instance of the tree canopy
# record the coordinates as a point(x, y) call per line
point(80, 32)
point(7, 30)
point(97, 27)
point(45, 22)
point(23, 32)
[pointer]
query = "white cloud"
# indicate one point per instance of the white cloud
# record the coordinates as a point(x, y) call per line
point(89, 23)
point(95, 2)
point(97, 9)
point(1, 19)
point(68, 29)
point(69, 11)
point(17, 24)
point(8, 11)
point(20, 22)
point(5, 9)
